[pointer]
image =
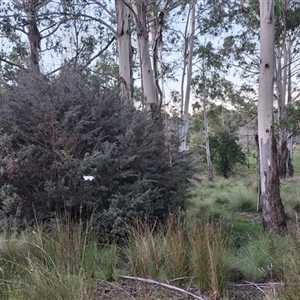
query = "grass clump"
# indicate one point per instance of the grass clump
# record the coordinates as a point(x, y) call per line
point(192, 249)
point(38, 264)
point(253, 260)
point(208, 256)
point(243, 199)
point(223, 200)
point(157, 252)
point(291, 269)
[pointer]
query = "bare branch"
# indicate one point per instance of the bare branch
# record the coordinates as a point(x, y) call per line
point(103, 7)
point(98, 54)
point(171, 287)
point(53, 31)
point(12, 63)
point(94, 19)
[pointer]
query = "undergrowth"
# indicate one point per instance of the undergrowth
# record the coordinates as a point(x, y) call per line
point(219, 242)
point(38, 264)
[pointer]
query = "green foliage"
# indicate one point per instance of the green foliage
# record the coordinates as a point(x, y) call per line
point(260, 259)
point(293, 17)
point(291, 120)
point(54, 132)
point(226, 152)
point(227, 200)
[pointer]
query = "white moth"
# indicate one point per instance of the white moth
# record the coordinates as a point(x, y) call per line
point(88, 178)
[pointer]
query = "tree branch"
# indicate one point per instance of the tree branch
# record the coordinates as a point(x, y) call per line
point(168, 286)
point(103, 7)
point(98, 54)
point(12, 63)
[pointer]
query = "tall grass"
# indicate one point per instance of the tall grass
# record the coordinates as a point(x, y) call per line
point(199, 249)
point(190, 249)
point(291, 268)
point(158, 253)
point(208, 252)
point(42, 264)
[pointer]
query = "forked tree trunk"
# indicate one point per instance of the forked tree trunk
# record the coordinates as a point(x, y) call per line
point(272, 208)
point(124, 51)
point(156, 39)
point(148, 82)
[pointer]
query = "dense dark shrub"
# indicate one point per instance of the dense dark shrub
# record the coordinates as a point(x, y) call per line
point(226, 152)
point(55, 131)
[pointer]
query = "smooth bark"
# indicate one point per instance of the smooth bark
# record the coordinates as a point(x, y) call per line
point(284, 96)
point(148, 84)
point(189, 69)
point(210, 173)
point(124, 52)
point(272, 208)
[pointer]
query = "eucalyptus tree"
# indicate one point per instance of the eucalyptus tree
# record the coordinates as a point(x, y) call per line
point(141, 19)
point(212, 88)
point(31, 9)
point(154, 33)
point(45, 35)
point(124, 50)
point(188, 55)
point(272, 207)
point(88, 31)
point(210, 173)
point(203, 84)
point(205, 19)
point(23, 25)
point(287, 33)
point(242, 45)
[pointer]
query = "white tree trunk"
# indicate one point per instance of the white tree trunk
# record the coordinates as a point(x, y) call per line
point(272, 207)
point(283, 88)
point(189, 69)
point(210, 173)
point(124, 52)
point(154, 42)
point(148, 82)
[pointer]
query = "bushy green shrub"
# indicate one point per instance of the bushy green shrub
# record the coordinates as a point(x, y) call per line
point(226, 152)
point(55, 131)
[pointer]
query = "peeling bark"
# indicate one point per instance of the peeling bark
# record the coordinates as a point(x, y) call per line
point(273, 215)
point(284, 96)
point(285, 166)
point(148, 84)
point(124, 51)
point(272, 208)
